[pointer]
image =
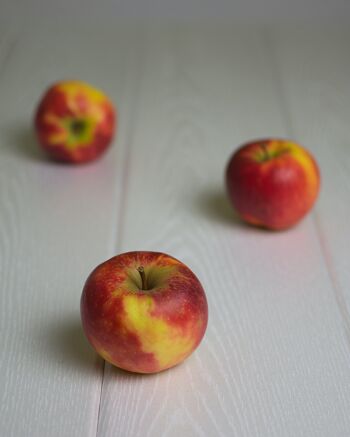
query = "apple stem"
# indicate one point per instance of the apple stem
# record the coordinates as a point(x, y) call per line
point(266, 153)
point(141, 270)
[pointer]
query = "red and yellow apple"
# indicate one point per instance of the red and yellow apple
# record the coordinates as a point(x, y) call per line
point(75, 122)
point(272, 183)
point(144, 311)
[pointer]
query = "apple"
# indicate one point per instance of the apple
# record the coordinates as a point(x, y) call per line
point(143, 311)
point(74, 122)
point(272, 183)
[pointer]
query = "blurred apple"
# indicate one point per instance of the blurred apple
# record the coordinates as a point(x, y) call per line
point(75, 122)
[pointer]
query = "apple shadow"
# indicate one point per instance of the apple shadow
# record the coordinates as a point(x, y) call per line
point(117, 372)
point(21, 140)
point(69, 346)
point(215, 205)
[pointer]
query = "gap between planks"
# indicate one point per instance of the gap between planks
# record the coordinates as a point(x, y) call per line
point(267, 36)
point(121, 203)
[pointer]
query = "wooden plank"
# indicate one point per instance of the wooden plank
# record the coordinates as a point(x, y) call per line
point(314, 69)
point(57, 223)
point(275, 358)
point(320, 86)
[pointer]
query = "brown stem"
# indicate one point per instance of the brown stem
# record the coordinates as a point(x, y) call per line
point(266, 153)
point(141, 270)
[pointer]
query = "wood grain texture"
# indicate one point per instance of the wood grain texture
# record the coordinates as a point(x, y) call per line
point(319, 84)
point(57, 223)
point(275, 360)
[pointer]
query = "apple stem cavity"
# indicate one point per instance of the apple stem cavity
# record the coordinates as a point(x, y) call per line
point(78, 127)
point(141, 270)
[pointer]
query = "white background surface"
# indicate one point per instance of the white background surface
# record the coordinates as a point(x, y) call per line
point(275, 359)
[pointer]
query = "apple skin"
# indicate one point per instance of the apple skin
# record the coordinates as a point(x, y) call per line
point(74, 122)
point(272, 183)
point(144, 331)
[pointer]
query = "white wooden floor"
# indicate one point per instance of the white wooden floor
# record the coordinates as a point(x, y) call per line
point(275, 361)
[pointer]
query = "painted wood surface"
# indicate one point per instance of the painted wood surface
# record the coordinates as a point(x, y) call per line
point(275, 360)
point(57, 223)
